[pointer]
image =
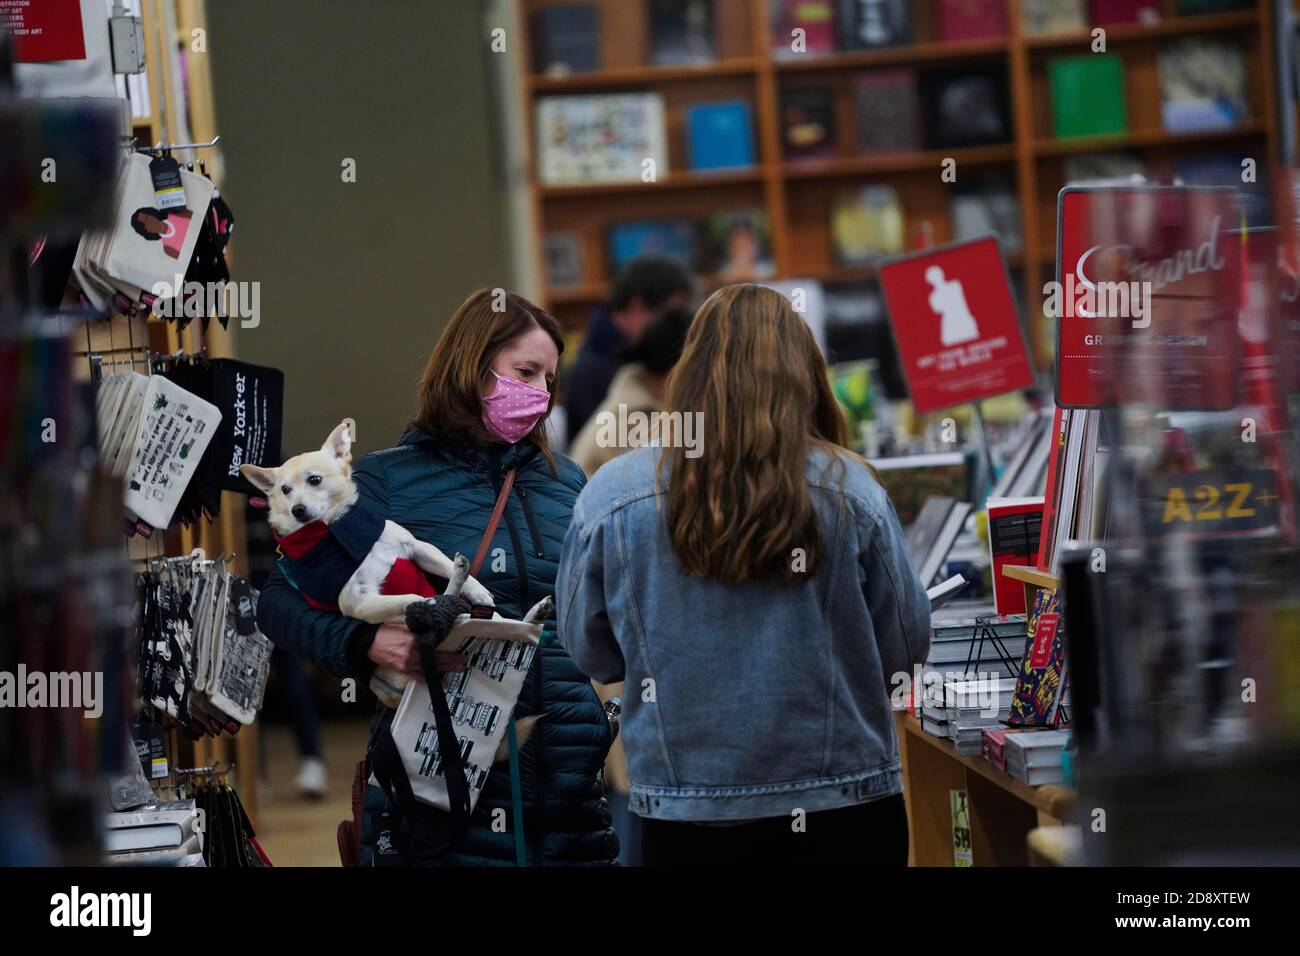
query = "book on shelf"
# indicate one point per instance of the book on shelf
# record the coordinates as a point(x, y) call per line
point(681, 32)
point(1069, 497)
point(738, 247)
point(1106, 13)
point(1039, 17)
point(868, 24)
point(807, 123)
point(960, 21)
point(888, 111)
point(1043, 669)
point(966, 108)
point(566, 39)
point(564, 265)
point(674, 238)
point(1197, 7)
point(1202, 84)
point(984, 208)
point(1023, 475)
point(1107, 167)
point(1087, 94)
point(866, 225)
point(1057, 438)
point(720, 135)
point(816, 18)
point(603, 138)
point(1224, 169)
point(1014, 526)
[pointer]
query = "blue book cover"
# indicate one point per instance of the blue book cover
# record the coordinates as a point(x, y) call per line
point(720, 135)
point(674, 238)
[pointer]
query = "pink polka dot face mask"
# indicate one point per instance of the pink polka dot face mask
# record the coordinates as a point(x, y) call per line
point(513, 409)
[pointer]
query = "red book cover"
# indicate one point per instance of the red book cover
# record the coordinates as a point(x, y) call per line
point(1108, 12)
point(1014, 533)
point(962, 20)
point(815, 17)
point(1051, 501)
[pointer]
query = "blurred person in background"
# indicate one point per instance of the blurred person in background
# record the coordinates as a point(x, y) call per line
point(760, 599)
point(644, 288)
point(638, 387)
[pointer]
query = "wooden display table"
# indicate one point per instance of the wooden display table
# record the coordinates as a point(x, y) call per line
point(1002, 809)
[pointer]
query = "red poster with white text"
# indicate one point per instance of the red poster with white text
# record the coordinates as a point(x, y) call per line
point(1146, 297)
point(44, 30)
point(955, 323)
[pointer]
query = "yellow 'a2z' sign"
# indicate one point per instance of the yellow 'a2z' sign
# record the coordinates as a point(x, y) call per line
point(1209, 502)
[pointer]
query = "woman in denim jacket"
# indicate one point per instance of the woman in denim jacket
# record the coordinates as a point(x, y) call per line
point(754, 591)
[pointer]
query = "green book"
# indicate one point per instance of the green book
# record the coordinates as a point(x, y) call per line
point(1087, 95)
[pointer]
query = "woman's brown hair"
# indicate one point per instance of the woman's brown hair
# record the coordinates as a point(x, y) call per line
point(451, 388)
point(738, 511)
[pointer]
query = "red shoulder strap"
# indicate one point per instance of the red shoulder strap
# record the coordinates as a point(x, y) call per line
point(493, 521)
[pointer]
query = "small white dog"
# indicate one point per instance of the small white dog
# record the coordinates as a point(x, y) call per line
point(341, 555)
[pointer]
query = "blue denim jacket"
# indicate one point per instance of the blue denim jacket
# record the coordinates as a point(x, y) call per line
point(753, 700)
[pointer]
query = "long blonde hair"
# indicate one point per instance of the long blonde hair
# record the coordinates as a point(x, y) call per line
point(737, 511)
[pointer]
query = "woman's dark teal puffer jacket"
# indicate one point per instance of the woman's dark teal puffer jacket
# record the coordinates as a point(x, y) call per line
point(443, 493)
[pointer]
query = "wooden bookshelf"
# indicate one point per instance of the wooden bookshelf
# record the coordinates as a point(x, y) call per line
point(796, 196)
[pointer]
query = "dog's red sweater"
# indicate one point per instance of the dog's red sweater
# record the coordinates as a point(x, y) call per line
point(404, 577)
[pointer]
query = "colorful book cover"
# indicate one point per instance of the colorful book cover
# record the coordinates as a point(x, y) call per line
point(866, 225)
point(1109, 12)
point(1015, 526)
point(1042, 677)
point(1087, 95)
point(960, 21)
point(600, 138)
point(866, 24)
point(681, 32)
point(816, 18)
point(1051, 16)
point(889, 112)
point(738, 246)
point(720, 135)
point(1202, 85)
point(675, 238)
point(807, 124)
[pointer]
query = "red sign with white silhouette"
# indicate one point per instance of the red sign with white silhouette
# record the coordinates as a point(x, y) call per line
point(44, 30)
point(955, 323)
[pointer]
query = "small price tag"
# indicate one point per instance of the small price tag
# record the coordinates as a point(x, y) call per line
point(168, 190)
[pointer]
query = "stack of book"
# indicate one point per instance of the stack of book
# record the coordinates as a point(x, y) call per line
point(1035, 757)
point(970, 707)
point(166, 833)
point(957, 653)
